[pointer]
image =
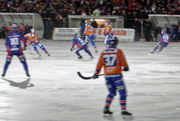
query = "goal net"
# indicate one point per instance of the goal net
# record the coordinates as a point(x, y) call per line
point(30, 19)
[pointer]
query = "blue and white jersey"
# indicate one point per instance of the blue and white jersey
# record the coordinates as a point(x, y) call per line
point(13, 42)
point(78, 42)
point(164, 38)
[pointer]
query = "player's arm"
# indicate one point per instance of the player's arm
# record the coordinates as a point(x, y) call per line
point(98, 67)
point(36, 38)
point(123, 61)
point(108, 29)
point(86, 29)
point(160, 38)
point(73, 44)
point(169, 39)
point(24, 40)
point(6, 43)
point(105, 31)
point(99, 64)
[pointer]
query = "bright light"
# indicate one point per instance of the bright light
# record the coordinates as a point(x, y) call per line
point(99, 19)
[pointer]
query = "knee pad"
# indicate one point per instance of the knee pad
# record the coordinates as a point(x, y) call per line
point(41, 46)
point(34, 46)
point(8, 59)
point(122, 96)
point(77, 51)
point(22, 59)
point(112, 95)
point(92, 42)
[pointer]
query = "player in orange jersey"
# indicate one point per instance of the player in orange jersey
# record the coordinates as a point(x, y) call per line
point(34, 41)
point(114, 62)
point(108, 33)
point(90, 37)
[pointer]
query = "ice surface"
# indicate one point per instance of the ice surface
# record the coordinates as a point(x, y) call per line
point(55, 92)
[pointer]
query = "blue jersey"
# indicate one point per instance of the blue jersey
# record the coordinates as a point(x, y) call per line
point(164, 38)
point(78, 42)
point(13, 42)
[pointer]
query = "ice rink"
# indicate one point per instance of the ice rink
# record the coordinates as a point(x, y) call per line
point(56, 93)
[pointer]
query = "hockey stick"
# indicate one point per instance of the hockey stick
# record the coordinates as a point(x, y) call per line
point(90, 77)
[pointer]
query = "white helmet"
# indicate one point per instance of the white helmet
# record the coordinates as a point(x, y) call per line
point(32, 30)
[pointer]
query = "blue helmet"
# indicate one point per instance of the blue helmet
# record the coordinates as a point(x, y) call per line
point(113, 42)
point(14, 27)
point(107, 22)
point(88, 22)
point(164, 30)
point(75, 35)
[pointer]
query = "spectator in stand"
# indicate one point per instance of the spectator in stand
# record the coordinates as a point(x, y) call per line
point(147, 29)
point(83, 13)
point(97, 12)
point(153, 8)
point(178, 34)
point(3, 31)
point(137, 27)
point(58, 20)
point(49, 24)
point(123, 13)
point(130, 9)
point(174, 32)
point(157, 32)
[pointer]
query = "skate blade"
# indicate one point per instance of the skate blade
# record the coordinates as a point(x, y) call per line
point(110, 118)
point(127, 117)
point(108, 115)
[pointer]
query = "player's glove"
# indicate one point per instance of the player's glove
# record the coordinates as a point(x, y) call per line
point(126, 69)
point(71, 49)
point(95, 76)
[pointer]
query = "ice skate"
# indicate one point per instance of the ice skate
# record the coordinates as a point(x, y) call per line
point(107, 113)
point(27, 74)
point(48, 54)
point(80, 57)
point(151, 52)
point(3, 74)
point(126, 115)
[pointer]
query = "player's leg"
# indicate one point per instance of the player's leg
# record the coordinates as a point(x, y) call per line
point(161, 48)
point(155, 48)
point(92, 39)
point(35, 48)
point(112, 92)
point(106, 41)
point(87, 39)
point(87, 51)
point(6, 65)
point(77, 53)
point(163, 45)
point(121, 87)
point(43, 48)
point(23, 61)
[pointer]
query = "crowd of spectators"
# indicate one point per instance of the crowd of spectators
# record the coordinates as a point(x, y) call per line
point(55, 12)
